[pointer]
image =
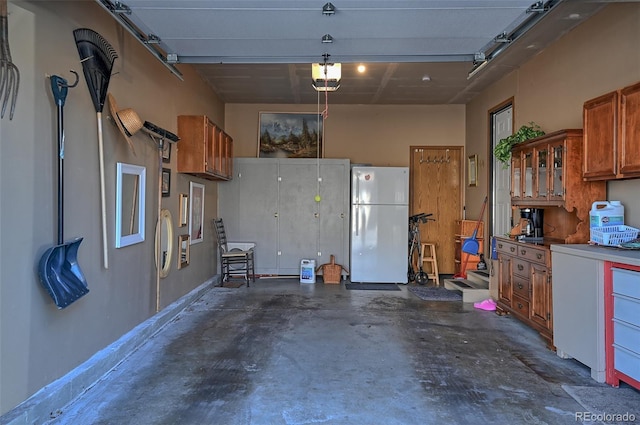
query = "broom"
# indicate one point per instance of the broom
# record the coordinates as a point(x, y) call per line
point(97, 57)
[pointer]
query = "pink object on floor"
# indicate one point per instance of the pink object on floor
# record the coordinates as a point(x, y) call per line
point(488, 304)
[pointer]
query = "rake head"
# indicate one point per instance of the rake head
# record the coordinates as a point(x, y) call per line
point(97, 57)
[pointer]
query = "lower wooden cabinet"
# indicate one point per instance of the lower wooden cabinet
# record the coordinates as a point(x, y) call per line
point(524, 284)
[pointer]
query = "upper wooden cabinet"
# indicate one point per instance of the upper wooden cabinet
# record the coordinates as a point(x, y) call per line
point(612, 135)
point(205, 150)
point(547, 172)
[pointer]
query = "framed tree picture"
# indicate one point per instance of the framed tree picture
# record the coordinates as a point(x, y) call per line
point(196, 208)
point(290, 135)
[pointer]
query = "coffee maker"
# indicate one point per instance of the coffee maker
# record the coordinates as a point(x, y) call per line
point(532, 222)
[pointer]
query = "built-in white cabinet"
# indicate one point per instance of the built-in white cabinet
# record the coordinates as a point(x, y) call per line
point(272, 202)
point(596, 303)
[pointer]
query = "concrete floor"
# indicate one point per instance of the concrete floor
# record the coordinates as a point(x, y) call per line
point(281, 352)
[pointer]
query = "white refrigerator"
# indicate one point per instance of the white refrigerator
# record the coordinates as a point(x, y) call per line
point(379, 224)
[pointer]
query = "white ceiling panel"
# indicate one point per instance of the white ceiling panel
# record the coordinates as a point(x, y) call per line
point(261, 51)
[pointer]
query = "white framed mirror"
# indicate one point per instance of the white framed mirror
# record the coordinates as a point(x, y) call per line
point(130, 208)
point(164, 242)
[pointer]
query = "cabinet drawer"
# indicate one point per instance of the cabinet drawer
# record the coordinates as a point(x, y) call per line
point(627, 362)
point(533, 254)
point(626, 282)
point(521, 287)
point(626, 309)
point(626, 336)
point(520, 267)
point(520, 306)
point(506, 247)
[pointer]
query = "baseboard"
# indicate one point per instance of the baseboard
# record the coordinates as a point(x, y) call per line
point(40, 407)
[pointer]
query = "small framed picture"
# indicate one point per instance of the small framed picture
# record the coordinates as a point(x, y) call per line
point(472, 170)
point(184, 210)
point(196, 211)
point(183, 249)
point(166, 151)
point(166, 182)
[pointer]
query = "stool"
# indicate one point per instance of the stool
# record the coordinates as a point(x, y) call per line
point(429, 256)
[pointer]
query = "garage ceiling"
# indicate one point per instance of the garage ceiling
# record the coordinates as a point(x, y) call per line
point(415, 52)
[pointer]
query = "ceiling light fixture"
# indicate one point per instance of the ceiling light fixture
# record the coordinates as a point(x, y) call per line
point(361, 68)
point(327, 38)
point(326, 76)
point(328, 9)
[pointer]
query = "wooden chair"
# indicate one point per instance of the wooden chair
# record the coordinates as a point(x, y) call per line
point(236, 259)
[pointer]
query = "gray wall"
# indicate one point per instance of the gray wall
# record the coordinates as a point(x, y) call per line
point(38, 342)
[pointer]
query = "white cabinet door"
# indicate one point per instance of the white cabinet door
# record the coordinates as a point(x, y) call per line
point(333, 210)
point(248, 205)
point(297, 223)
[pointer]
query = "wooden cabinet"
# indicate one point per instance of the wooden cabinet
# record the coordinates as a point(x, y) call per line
point(465, 230)
point(612, 135)
point(524, 284)
point(205, 150)
point(547, 172)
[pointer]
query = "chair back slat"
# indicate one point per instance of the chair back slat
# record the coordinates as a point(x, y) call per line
point(221, 234)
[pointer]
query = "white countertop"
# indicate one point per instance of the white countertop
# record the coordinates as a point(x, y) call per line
point(598, 252)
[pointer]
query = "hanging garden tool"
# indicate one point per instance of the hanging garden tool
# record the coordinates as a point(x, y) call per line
point(59, 271)
point(9, 74)
point(97, 57)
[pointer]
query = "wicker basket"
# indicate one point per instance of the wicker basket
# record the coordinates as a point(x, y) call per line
point(331, 272)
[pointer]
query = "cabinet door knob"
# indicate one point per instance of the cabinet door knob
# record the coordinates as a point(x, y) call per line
point(513, 249)
point(520, 267)
point(523, 251)
point(520, 305)
point(539, 256)
point(519, 285)
point(500, 245)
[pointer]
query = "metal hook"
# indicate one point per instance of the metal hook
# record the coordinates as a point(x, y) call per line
point(62, 83)
point(75, 83)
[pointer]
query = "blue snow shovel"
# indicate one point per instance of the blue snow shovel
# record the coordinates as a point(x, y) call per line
point(59, 271)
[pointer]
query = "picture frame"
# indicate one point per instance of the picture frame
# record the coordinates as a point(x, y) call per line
point(290, 135)
point(196, 212)
point(166, 152)
point(183, 251)
point(183, 208)
point(472, 170)
point(166, 182)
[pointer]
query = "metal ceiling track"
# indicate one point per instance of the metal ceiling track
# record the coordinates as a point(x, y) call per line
point(151, 42)
point(502, 41)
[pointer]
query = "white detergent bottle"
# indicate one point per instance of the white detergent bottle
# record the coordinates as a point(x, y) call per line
point(606, 213)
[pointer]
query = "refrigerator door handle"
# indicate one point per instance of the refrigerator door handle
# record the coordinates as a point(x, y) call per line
point(357, 211)
point(357, 191)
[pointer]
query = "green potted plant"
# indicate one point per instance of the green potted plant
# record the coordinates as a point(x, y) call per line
point(502, 151)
